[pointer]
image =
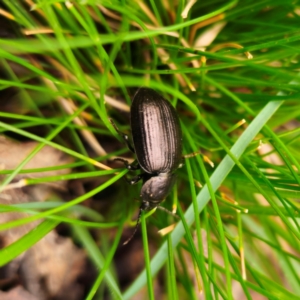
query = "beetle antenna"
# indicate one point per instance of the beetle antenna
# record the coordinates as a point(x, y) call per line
point(136, 227)
point(168, 212)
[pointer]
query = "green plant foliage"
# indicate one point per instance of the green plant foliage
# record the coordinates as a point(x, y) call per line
point(231, 69)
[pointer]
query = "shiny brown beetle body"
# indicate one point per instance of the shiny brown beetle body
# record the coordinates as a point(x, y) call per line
point(157, 143)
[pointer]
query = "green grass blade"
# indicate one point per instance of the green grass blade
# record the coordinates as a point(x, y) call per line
point(10, 252)
point(204, 196)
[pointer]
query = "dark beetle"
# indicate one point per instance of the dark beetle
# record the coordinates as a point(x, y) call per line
point(157, 143)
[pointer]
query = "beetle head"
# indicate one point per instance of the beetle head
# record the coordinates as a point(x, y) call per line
point(154, 190)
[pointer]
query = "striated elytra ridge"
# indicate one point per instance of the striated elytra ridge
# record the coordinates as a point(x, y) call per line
point(156, 132)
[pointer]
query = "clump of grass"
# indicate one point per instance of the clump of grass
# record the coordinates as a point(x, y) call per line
point(232, 71)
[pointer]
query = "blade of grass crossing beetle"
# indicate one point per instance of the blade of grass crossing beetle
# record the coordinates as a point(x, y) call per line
point(204, 196)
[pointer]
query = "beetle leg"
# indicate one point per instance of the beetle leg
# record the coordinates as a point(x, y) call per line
point(135, 229)
point(126, 139)
point(135, 179)
point(168, 212)
point(124, 136)
point(128, 166)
